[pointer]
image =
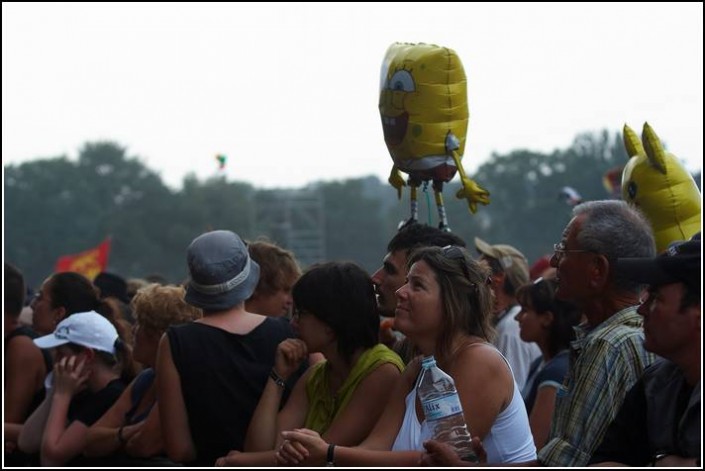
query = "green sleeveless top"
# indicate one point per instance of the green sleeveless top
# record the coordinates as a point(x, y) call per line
point(323, 407)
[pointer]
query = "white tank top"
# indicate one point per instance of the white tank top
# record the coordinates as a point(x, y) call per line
point(509, 439)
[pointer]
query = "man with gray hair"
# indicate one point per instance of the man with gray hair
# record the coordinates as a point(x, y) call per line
point(608, 356)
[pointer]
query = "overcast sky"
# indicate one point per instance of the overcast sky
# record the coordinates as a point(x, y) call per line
point(289, 92)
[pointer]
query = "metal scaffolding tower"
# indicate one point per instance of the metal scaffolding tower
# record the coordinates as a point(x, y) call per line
point(294, 220)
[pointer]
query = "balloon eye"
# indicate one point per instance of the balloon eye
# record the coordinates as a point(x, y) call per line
point(631, 190)
point(402, 81)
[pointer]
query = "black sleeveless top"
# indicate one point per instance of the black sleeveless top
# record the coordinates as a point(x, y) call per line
point(38, 396)
point(222, 378)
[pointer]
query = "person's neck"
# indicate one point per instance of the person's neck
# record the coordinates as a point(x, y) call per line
point(545, 351)
point(255, 306)
point(338, 368)
point(230, 319)
point(599, 309)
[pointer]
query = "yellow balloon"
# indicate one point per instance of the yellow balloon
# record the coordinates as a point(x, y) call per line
point(424, 109)
point(658, 184)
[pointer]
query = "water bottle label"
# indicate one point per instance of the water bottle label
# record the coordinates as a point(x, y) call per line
point(442, 407)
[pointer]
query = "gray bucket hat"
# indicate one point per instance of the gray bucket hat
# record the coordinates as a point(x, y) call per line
point(222, 275)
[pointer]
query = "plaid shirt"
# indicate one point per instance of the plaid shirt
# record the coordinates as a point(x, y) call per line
point(605, 362)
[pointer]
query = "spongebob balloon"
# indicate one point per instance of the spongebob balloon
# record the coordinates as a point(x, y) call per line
point(424, 109)
point(657, 183)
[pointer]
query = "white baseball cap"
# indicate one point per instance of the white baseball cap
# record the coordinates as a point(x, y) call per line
point(88, 329)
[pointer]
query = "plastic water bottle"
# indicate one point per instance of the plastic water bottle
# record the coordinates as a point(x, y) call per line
point(444, 413)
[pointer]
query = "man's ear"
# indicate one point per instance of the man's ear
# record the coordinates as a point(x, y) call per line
point(498, 279)
point(600, 271)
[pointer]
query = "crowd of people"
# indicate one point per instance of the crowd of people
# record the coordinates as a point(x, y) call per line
point(254, 362)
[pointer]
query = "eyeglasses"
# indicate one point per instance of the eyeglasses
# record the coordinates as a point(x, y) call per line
point(296, 313)
point(559, 250)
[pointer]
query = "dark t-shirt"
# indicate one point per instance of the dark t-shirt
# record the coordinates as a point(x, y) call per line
point(660, 414)
point(554, 372)
point(88, 407)
point(222, 378)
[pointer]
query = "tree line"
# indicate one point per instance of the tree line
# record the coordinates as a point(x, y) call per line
point(57, 206)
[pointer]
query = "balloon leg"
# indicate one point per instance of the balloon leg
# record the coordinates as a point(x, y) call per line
point(442, 217)
point(414, 204)
point(414, 208)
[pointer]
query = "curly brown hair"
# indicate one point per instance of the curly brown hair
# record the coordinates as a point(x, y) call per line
point(156, 307)
point(278, 267)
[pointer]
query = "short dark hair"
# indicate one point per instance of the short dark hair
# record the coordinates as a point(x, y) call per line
point(417, 235)
point(341, 295)
point(540, 296)
point(73, 291)
point(13, 298)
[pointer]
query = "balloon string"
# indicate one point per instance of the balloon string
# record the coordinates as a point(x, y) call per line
point(428, 201)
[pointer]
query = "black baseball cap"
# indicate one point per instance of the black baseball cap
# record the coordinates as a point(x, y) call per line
point(680, 263)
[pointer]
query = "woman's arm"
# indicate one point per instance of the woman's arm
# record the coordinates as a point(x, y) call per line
point(291, 416)
point(387, 427)
point(317, 453)
point(353, 424)
point(69, 444)
point(176, 433)
point(305, 447)
point(147, 440)
point(24, 373)
point(103, 435)
point(265, 423)
point(250, 459)
point(542, 414)
point(12, 434)
point(485, 389)
point(30, 439)
point(59, 442)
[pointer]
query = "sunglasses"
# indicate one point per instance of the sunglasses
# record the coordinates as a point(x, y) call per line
point(454, 252)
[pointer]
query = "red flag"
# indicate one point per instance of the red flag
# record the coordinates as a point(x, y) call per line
point(88, 263)
point(612, 181)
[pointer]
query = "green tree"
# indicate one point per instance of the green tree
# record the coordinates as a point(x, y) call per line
point(525, 209)
point(56, 207)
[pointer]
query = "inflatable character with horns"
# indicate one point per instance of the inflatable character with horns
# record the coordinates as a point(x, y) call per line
point(424, 109)
point(657, 183)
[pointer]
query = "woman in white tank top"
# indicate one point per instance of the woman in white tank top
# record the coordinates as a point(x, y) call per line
point(445, 310)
